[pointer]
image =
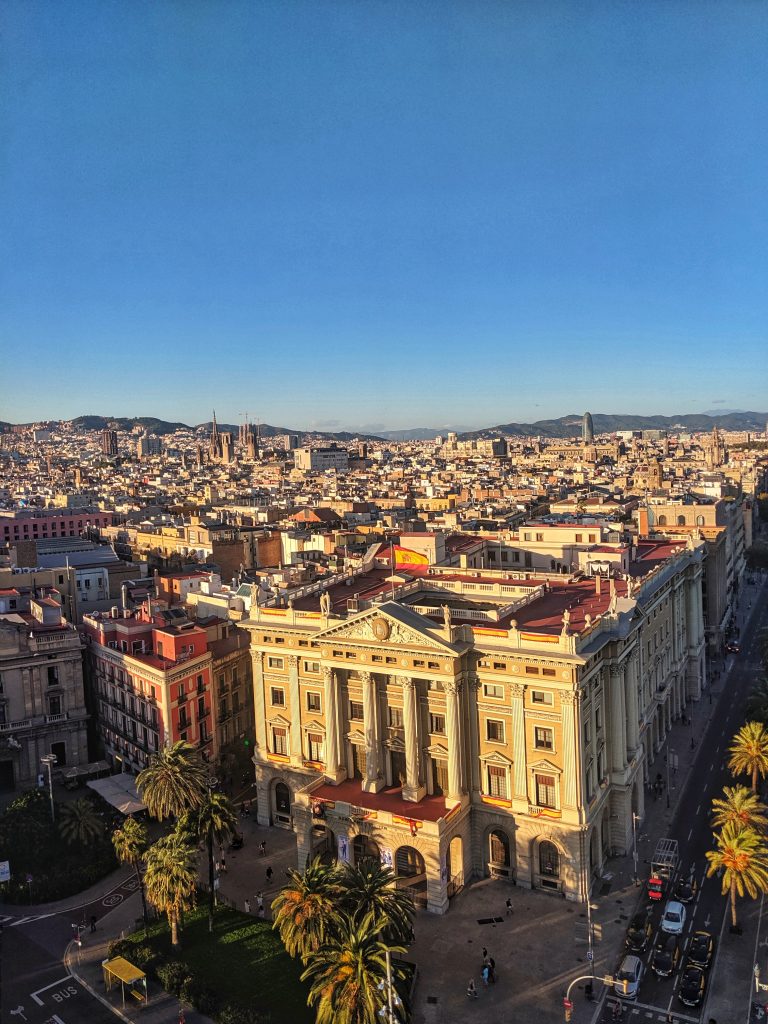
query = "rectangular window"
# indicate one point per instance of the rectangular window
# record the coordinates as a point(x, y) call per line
point(315, 746)
point(273, 662)
point(539, 537)
point(278, 697)
point(312, 667)
point(279, 741)
point(54, 705)
point(396, 718)
point(587, 734)
point(546, 793)
point(497, 782)
point(313, 702)
point(540, 697)
point(437, 724)
point(53, 675)
point(355, 711)
point(598, 718)
point(493, 690)
point(494, 730)
point(544, 739)
point(531, 670)
point(548, 672)
point(579, 538)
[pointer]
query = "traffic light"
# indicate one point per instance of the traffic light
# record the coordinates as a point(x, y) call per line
point(568, 1005)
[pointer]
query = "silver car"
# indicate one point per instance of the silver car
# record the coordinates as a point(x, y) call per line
point(673, 920)
point(629, 975)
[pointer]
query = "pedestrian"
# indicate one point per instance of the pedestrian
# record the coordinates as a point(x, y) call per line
point(247, 906)
point(222, 866)
point(247, 808)
point(472, 989)
point(486, 975)
point(509, 906)
point(263, 848)
point(269, 874)
point(93, 923)
point(260, 900)
point(261, 911)
point(492, 966)
point(485, 955)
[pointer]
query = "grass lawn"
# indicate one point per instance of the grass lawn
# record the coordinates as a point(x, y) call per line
point(243, 960)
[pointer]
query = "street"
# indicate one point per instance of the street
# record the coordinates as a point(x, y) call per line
point(658, 996)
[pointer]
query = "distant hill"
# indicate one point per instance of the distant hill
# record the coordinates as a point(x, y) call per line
point(608, 423)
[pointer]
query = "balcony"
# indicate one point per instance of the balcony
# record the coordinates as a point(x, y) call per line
point(22, 723)
point(50, 719)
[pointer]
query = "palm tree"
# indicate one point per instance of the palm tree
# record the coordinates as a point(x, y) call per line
point(371, 888)
point(740, 806)
point(170, 877)
point(306, 911)
point(749, 752)
point(130, 842)
point(347, 971)
point(79, 823)
point(174, 781)
point(757, 702)
point(742, 857)
point(213, 822)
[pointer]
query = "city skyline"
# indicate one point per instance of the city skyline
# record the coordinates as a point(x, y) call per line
point(369, 218)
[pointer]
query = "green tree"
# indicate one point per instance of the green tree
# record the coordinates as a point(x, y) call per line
point(170, 877)
point(306, 911)
point(346, 972)
point(214, 821)
point(80, 823)
point(757, 702)
point(740, 806)
point(749, 752)
point(742, 857)
point(371, 888)
point(174, 781)
point(130, 843)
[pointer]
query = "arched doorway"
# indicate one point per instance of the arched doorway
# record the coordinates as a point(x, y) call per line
point(282, 809)
point(412, 874)
point(548, 864)
point(499, 855)
point(365, 848)
point(455, 866)
point(324, 844)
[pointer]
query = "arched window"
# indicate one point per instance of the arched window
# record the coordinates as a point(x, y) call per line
point(282, 798)
point(364, 848)
point(681, 520)
point(549, 859)
point(499, 848)
point(699, 520)
point(662, 520)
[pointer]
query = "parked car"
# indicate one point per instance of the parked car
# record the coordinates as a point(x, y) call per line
point(693, 985)
point(639, 932)
point(701, 949)
point(673, 920)
point(687, 888)
point(666, 956)
point(631, 973)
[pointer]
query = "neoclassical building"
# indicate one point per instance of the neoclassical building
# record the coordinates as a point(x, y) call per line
point(460, 724)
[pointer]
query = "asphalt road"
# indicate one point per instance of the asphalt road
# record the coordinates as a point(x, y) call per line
point(36, 986)
point(692, 828)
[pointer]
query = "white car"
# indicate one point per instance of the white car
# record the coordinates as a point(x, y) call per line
point(673, 920)
point(630, 973)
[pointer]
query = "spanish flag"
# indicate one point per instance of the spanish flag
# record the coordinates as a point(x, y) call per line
point(404, 556)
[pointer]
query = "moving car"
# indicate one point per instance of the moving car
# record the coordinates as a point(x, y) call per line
point(687, 888)
point(693, 985)
point(700, 949)
point(732, 647)
point(673, 921)
point(631, 972)
point(666, 956)
point(639, 933)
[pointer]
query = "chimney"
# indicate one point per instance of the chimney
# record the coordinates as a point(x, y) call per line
point(598, 584)
point(643, 529)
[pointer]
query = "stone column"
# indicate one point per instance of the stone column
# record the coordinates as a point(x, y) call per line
point(520, 778)
point(374, 779)
point(330, 695)
point(618, 737)
point(630, 681)
point(295, 699)
point(412, 790)
point(259, 709)
point(453, 732)
point(571, 762)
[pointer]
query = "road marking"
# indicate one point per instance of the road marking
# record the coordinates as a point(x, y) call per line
point(54, 984)
point(689, 836)
point(26, 920)
point(698, 808)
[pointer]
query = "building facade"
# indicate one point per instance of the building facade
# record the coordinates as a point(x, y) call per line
point(475, 724)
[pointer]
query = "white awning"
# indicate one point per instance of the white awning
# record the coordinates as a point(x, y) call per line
point(120, 791)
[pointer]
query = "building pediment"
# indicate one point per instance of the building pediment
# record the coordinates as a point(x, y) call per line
point(495, 758)
point(280, 721)
point(389, 625)
point(545, 766)
point(437, 750)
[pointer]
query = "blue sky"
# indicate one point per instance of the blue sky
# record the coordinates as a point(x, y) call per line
point(383, 214)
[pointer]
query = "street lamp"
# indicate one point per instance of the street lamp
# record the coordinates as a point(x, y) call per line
point(387, 1013)
point(49, 760)
point(635, 819)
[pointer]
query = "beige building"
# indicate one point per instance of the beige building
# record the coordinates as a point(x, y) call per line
point(472, 724)
point(42, 703)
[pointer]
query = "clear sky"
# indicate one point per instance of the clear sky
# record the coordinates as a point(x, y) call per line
point(382, 214)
